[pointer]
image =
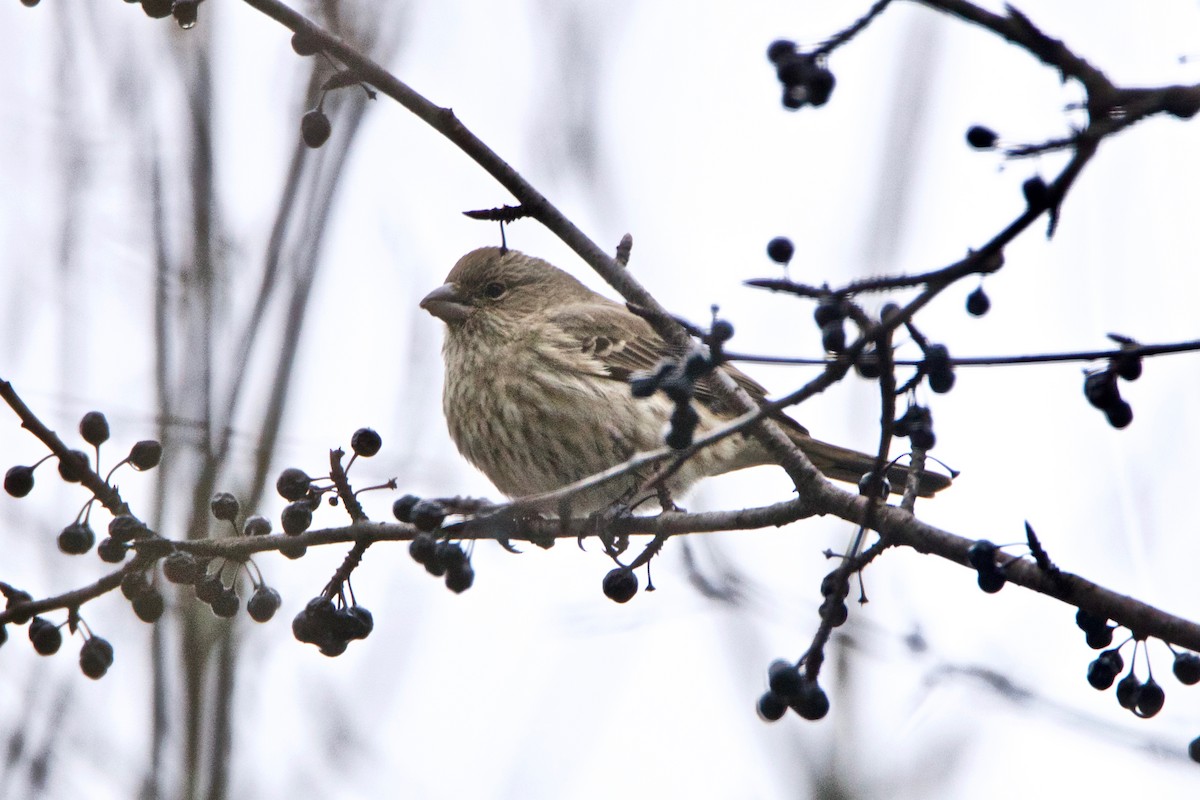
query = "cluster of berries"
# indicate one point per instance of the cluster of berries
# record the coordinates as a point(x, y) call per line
point(804, 77)
point(916, 424)
point(441, 558)
point(1101, 389)
point(297, 487)
point(185, 12)
point(982, 558)
point(677, 380)
point(788, 688)
point(1143, 698)
point(77, 538)
point(96, 654)
point(315, 127)
point(331, 627)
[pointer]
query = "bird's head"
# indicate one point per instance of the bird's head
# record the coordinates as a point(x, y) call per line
point(500, 286)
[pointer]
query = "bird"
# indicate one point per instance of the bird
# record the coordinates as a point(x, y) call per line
point(537, 393)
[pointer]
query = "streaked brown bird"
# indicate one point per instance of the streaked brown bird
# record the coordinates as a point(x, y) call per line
point(537, 390)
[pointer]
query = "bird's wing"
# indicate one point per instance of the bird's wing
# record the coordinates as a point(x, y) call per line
point(618, 345)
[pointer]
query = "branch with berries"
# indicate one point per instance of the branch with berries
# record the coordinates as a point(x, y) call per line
point(442, 531)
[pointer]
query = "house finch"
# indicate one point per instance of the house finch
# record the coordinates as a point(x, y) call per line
point(537, 395)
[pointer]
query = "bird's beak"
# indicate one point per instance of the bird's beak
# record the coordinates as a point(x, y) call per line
point(447, 304)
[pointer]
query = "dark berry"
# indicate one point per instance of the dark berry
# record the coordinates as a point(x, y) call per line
point(422, 548)
point(95, 657)
point(305, 44)
point(315, 128)
point(256, 525)
point(991, 580)
point(461, 578)
point(1187, 668)
point(16, 597)
point(937, 367)
point(982, 555)
point(1087, 621)
point(450, 554)
point(208, 589)
point(111, 551)
point(1100, 389)
point(867, 365)
point(833, 337)
point(833, 584)
point(771, 707)
point(226, 603)
point(620, 584)
point(18, 481)
point(834, 611)
point(1194, 749)
point(134, 584)
point(1119, 415)
point(1100, 674)
point(126, 528)
point(76, 539)
point(149, 606)
point(293, 484)
point(435, 566)
point(820, 86)
point(263, 604)
point(94, 428)
point(828, 310)
point(1128, 366)
point(293, 550)
point(3, 634)
point(1113, 659)
point(296, 518)
point(157, 9)
point(1037, 193)
point(73, 466)
point(780, 250)
point(224, 506)
point(365, 442)
point(871, 484)
point(180, 567)
point(355, 622)
point(1150, 699)
point(697, 366)
point(428, 515)
point(780, 49)
point(811, 703)
point(145, 455)
point(683, 426)
point(185, 12)
point(45, 635)
point(722, 331)
point(1128, 689)
point(402, 508)
point(981, 138)
point(784, 679)
point(978, 302)
point(1099, 638)
point(333, 647)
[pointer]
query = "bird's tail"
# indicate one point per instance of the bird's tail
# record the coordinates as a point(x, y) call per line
point(844, 464)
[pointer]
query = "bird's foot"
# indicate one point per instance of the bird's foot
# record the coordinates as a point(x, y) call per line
point(601, 526)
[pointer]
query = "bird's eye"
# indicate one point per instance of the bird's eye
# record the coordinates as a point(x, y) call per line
point(493, 290)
